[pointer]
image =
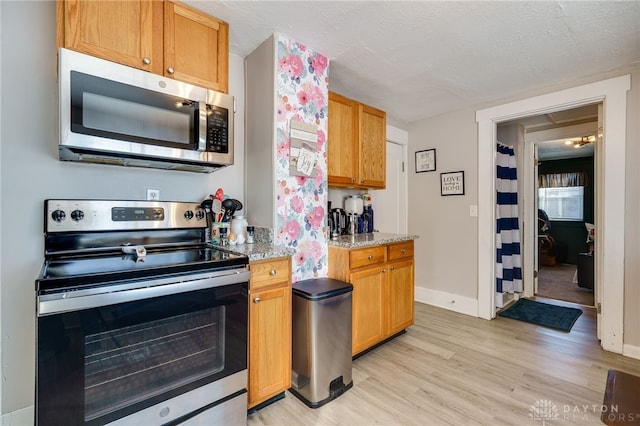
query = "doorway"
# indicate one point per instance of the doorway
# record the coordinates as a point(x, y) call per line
point(610, 210)
point(556, 157)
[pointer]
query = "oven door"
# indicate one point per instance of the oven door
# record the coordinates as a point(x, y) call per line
point(99, 361)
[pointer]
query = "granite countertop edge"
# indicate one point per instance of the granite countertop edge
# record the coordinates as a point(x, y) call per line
point(370, 239)
point(260, 251)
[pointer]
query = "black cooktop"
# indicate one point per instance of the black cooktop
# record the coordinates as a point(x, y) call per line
point(116, 266)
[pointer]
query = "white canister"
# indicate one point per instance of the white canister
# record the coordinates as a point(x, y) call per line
point(353, 204)
point(239, 228)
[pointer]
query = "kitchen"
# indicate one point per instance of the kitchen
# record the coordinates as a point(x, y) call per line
point(32, 173)
point(118, 183)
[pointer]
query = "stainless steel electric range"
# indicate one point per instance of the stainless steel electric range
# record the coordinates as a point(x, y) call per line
point(139, 319)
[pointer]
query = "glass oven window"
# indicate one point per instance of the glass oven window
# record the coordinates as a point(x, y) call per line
point(135, 363)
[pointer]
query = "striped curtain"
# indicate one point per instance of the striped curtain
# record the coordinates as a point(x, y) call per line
point(508, 260)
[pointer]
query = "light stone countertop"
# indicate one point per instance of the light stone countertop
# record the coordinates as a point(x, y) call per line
point(370, 239)
point(259, 250)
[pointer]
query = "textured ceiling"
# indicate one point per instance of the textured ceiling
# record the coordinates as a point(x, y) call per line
point(418, 59)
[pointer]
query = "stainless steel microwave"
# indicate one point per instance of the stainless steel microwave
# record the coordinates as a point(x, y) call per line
point(114, 114)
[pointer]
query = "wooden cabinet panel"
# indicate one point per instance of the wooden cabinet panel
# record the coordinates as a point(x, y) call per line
point(163, 37)
point(119, 31)
point(400, 250)
point(367, 256)
point(342, 149)
point(367, 303)
point(269, 329)
point(400, 296)
point(269, 343)
point(196, 47)
point(373, 137)
point(269, 272)
point(356, 144)
point(383, 289)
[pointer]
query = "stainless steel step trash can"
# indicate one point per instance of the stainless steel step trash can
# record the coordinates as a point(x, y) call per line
point(321, 340)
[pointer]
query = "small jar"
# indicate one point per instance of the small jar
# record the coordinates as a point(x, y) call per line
point(250, 234)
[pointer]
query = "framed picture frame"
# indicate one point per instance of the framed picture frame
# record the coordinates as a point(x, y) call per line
point(452, 183)
point(426, 160)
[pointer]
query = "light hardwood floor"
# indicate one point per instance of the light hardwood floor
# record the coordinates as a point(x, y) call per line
point(452, 369)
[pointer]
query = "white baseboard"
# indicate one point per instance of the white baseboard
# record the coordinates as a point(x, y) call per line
point(631, 351)
point(21, 417)
point(450, 301)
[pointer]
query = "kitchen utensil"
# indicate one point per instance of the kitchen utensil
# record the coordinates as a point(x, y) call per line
point(238, 204)
point(216, 209)
point(219, 195)
point(229, 206)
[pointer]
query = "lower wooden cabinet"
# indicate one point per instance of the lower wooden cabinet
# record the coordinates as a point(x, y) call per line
point(269, 329)
point(383, 289)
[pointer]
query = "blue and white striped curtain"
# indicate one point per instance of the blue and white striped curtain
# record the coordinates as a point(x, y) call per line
point(508, 260)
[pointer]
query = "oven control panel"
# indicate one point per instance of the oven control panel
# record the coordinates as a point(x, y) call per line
point(114, 215)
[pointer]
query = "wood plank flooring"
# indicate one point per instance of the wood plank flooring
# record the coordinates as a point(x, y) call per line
point(452, 369)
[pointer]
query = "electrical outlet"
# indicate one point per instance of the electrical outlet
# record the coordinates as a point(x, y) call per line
point(473, 210)
point(153, 194)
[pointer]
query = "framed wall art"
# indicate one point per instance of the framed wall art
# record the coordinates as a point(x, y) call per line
point(426, 160)
point(452, 183)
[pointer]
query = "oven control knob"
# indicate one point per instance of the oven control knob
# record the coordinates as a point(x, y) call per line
point(77, 215)
point(188, 215)
point(58, 215)
point(199, 214)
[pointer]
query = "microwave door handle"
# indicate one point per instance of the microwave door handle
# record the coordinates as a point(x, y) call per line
point(202, 126)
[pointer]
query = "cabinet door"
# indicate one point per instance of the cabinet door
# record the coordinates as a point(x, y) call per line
point(373, 147)
point(400, 295)
point(367, 306)
point(196, 47)
point(120, 31)
point(269, 343)
point(342, 146)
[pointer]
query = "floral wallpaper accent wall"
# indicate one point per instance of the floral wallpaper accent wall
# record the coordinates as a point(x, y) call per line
point(302, 92)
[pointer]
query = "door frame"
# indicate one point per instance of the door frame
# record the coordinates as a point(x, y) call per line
point(609, 225)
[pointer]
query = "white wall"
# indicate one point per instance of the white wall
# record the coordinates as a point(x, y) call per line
point(446, 258)
point(31, 172)
point(446, 252)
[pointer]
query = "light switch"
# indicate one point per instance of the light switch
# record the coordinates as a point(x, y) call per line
point(473, 210)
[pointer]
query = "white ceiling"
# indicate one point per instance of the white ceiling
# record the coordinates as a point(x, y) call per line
point(418, 59)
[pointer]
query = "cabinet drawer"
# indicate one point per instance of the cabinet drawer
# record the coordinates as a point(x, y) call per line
point(268, 272)
point(401, 250)
point(367, 256)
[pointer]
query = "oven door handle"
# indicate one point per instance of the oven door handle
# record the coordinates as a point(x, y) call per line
point(69, 301)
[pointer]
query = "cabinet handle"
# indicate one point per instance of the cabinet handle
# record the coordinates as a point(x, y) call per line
point(273, 272)
point(370, 257)
point(353, 179)
point(392, 268)
point(361, 180)
point(256, 300)
point(146, 60)
point(384, 270)
point(170, 70)
point(403, 251)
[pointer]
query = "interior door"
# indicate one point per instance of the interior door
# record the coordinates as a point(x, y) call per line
point(390, 204)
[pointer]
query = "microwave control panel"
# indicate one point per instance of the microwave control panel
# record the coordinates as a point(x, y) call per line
point(217, 129)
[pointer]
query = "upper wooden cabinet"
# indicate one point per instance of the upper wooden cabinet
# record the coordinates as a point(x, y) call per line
point(196, 47)
point(356, 144)
point(163, 37)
